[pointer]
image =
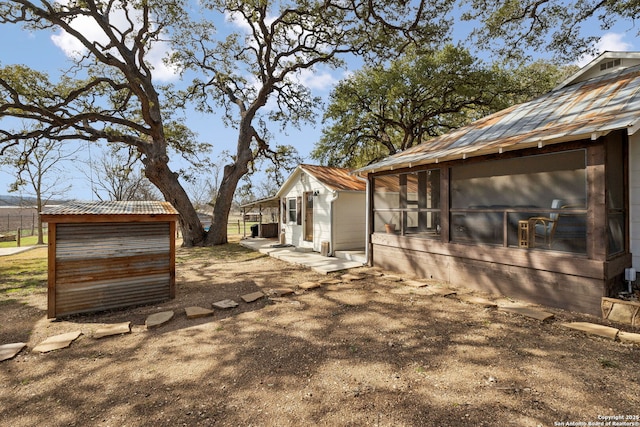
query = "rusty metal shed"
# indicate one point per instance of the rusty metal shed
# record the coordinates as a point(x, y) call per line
point(106, 255)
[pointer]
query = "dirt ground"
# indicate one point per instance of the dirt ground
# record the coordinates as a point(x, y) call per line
point(371, 352)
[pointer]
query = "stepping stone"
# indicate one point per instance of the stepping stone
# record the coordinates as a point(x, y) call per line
point(351, 277)
point(286, 301)
point(9, 351)
point(443, 292)
point(309, 285)
point(225, 303)
point(477, 301)
point(629, 338)
point(374, 273)
point(253, 296)
point(57, 342)
point(158, 319)
point(415, 283)
point(528, 312)
point(197, 312)
point(593, 329)
point(115, 329)
point(330, 281)
point(281, 292)
point(392, 278)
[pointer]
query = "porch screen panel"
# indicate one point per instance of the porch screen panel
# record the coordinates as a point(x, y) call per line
point(491, 197)
point(386, 201)
point(616, 212)
point(409, 201)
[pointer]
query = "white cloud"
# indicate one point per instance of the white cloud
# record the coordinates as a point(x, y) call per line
point(86, 26)
point(608, 42)
point(317, 80)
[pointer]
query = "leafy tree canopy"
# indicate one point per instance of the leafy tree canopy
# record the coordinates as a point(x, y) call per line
point(512, 28)
point(381, 110)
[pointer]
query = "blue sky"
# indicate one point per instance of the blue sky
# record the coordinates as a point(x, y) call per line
point(50, 52)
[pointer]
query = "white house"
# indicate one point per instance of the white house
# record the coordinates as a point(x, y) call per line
point(323, 206)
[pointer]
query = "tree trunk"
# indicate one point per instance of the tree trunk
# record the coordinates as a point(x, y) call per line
point(217, 234)
point(158, 172)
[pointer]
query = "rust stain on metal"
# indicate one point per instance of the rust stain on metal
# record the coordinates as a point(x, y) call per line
point(576, 111)
point(335, 178)
point(113, 208)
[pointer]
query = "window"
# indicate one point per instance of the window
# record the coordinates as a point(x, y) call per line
point(489, 201)
point(292, 212)
point(408, 204)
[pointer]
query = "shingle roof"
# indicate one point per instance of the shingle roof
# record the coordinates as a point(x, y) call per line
point(586, 109)
point(112, 208)
point(339, 179)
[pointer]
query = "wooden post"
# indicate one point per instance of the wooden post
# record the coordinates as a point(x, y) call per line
point(18, 236)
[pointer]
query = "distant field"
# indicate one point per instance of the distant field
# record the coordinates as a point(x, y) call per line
point(13, 218)
point(26, 219)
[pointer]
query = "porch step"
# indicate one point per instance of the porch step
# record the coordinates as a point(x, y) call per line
point(357, 256)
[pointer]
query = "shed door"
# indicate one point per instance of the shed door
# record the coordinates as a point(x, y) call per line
point(308, 216)
point(102, 266)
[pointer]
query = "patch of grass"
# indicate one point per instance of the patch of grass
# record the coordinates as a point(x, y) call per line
point(24, 273)
point(606, 363)
point(24, 241)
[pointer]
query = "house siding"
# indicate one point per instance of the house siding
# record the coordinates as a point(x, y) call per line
point(553, 278)
point(634, 198)
point(568, 291)
point(322, 218)
point(345, 211)
point(294, 233)
point(349, 221)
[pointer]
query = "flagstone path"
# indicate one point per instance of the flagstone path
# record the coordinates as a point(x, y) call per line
point(413, 287)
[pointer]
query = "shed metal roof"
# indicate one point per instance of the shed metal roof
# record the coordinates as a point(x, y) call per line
point(337, 179)
point(112, 208)
point(583, 110)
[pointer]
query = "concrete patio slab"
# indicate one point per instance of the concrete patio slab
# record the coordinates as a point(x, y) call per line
point(9, 351)
point(313, 260)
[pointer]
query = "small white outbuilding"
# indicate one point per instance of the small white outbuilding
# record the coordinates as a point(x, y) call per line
point(323, 209)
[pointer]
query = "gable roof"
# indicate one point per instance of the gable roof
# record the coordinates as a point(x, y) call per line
point(112, 208)
point(336, 179)
point(577, 109)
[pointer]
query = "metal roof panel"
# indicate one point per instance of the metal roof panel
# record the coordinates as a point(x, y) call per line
point(592, 107)
point(112, 208)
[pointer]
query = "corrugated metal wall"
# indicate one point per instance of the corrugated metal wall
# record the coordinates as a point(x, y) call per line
point(102, 266)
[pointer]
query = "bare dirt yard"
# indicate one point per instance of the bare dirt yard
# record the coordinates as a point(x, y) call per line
point(370, 352)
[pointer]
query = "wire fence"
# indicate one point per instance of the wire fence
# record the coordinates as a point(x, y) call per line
point(19, 227)
point(23, 223)
point(27, 223)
